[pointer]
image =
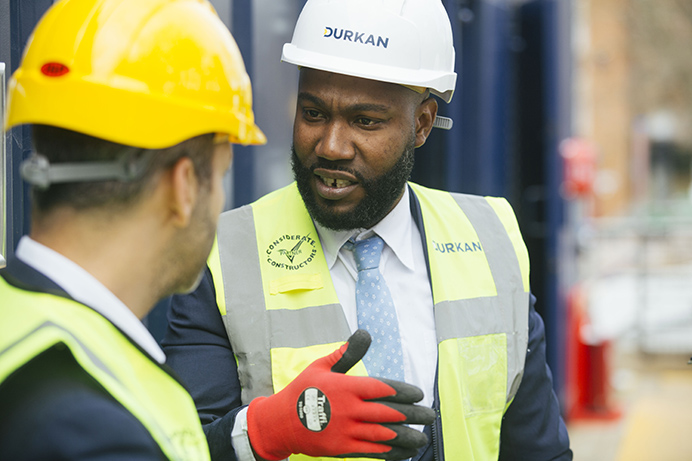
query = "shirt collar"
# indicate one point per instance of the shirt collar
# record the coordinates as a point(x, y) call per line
point(83, 287)
point(395, 229)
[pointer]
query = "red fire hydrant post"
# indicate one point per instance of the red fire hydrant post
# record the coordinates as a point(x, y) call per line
point(588, 367)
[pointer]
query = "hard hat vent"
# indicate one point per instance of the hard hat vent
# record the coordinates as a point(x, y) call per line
point(54, 69)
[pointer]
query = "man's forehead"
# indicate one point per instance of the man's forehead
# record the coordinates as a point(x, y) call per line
point(316, 82)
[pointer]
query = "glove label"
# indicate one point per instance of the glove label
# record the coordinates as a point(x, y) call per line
point(314, 410)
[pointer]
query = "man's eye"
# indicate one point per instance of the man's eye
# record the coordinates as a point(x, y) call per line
point(311, 113)
point(366, 121)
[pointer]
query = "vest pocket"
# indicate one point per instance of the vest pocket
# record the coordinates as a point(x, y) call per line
point(295, 282)
point(483, 373)
point(472, 384)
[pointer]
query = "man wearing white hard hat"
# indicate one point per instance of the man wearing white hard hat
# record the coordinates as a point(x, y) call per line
point(439, 280)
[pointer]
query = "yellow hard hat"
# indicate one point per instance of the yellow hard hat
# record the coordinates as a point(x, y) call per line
point(144, 73)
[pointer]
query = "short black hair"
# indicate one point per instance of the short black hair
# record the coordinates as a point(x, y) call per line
point(60, 145)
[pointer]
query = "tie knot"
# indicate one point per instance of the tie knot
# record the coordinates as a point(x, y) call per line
point(367, 252)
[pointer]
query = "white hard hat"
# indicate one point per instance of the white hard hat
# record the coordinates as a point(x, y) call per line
point(408, 42)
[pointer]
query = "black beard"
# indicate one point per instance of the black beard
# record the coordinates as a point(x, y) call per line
point(381, 192)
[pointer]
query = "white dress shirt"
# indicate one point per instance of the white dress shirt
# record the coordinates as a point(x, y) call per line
point(83, 287)
point(403, 267)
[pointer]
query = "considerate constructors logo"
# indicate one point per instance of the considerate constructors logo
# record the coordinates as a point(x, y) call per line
point(291, 252)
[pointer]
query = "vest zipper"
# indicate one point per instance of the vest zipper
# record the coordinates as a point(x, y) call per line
point(438, 455)
point(435, 437)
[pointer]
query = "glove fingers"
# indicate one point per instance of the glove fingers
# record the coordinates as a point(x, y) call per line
point(413, 414)
point(357, 346)
point(386, 390)
point(406, 437)
point(404, 445)
point(405, 393)
point(393, 435)
point(387, 441)
point(382, 441)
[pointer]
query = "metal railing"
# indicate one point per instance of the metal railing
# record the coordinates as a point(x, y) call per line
point(638, 274)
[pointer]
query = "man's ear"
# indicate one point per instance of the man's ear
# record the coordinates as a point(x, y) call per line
point(184, 191)
point(425, 116)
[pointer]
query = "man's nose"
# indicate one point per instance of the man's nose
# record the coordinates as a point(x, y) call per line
point(336, 143)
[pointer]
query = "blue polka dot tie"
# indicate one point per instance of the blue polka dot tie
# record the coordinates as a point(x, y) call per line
point(376, 312)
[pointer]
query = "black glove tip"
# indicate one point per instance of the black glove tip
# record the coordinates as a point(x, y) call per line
point(358, 345)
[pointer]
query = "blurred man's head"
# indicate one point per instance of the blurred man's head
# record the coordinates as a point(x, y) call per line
point(114, 200)
point(134, 106)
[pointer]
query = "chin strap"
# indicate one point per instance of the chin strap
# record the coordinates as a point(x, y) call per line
point(38, 171)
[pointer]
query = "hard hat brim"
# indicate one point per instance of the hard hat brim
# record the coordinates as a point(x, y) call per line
point(121, 121)
point(440, 83)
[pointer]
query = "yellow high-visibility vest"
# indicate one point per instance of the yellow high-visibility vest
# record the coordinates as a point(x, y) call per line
point(281, 312)
point(34, 322)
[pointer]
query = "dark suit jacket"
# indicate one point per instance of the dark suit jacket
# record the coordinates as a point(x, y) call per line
point(51, 409)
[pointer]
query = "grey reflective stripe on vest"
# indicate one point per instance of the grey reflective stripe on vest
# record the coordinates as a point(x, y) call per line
point(93, 357)
point(252, 330)
point(505, 313)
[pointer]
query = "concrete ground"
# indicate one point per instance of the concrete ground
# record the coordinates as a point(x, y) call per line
point(654, 395)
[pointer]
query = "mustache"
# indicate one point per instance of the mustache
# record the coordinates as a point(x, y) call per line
point(329, 165)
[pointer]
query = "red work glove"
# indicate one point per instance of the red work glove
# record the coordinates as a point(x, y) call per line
point(323, 412)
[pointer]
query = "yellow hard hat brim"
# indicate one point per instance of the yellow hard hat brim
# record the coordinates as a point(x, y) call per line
point(118, 115)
